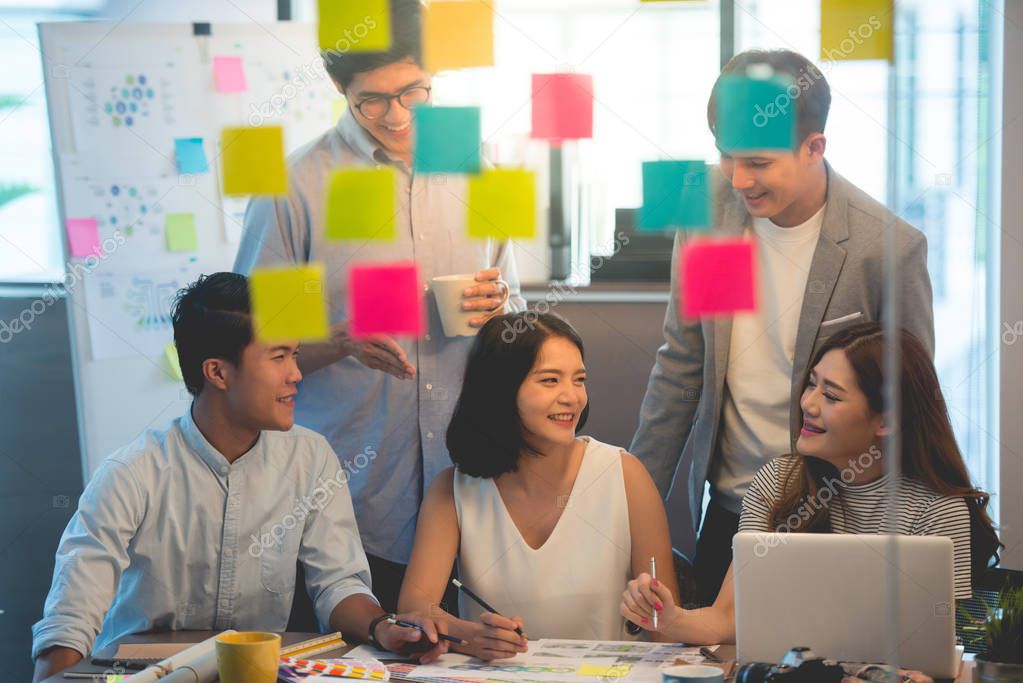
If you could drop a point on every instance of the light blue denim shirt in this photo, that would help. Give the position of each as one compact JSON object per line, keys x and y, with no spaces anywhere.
{"x":168,"y":535}
{"x":355,"y":407}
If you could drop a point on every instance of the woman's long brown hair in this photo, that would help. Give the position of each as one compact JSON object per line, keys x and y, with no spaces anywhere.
{"x":930,"y":454}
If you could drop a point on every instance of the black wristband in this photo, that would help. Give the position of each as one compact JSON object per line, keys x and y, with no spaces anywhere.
{"x":373,"y":627}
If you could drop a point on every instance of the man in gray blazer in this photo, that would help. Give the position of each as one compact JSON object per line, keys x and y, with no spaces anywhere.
{"x":723,"y":396}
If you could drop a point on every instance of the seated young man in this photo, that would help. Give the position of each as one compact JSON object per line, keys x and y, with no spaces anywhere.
{"x":200,"y":525}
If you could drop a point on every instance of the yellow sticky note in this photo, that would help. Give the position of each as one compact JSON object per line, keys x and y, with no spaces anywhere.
{"x":458,"y":34}
{"x":612,"y":671}
{"x":361,"y":204}
{"x":502,"y":204}
{"x":857,"y":30}
{"x":288,"y":303}
{"x":355,"y":25}
{"x":253,"y":161}
{"x":170,"y":354}
{"x":337,"y":107}
{"x":179,"y":232}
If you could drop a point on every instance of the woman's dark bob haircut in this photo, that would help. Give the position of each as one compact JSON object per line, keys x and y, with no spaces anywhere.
{"x":486,"y":436}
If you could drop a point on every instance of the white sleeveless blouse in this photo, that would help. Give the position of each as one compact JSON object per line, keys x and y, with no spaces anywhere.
{"x":572,"y":585}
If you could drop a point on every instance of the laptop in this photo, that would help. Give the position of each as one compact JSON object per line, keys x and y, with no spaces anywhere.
{"x":827,"y":592}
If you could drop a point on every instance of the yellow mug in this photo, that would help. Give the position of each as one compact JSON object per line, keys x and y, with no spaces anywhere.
{"x":248,"y":657}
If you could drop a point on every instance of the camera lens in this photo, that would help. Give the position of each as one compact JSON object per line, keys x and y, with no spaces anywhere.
{"x":754,"y":673}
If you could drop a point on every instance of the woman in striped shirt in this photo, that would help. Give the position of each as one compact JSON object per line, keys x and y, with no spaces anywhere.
{"x":835,"y":482}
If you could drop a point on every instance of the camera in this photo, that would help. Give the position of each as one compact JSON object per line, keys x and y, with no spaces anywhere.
{"x":799,"y":664}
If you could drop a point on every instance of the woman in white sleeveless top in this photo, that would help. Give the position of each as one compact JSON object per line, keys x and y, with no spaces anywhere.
{"x":547,"y":526}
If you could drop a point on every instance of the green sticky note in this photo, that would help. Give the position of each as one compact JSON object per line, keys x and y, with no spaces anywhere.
{"x":355,"y":25}
{"x":447,"y":139}
{"x":170,"y":354}
{"x":361,"y":204}
{"x":253,"y":161}
{"x":179,"y":230}
{"x":675,"y":196}
{"x":756,"y":114}
{"x":502,"y":204}
{"x":288,"y":303}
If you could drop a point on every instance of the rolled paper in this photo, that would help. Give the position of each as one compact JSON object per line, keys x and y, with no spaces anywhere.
{"x":197,"y":664}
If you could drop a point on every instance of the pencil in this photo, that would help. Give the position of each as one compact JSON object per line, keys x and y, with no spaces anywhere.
{"x":442,"y":636}
{"x":480,"y":601}
{"x":653,"y":577}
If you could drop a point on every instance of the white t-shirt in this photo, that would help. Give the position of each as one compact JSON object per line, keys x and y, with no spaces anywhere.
{"x":758,"y":381}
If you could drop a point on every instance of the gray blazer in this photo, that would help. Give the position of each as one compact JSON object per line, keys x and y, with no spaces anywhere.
{"x":681,"y":412}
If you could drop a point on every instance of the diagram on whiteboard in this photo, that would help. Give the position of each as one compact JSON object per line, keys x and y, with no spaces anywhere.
{"x":130,"y":313}
{"x":130,"y":101}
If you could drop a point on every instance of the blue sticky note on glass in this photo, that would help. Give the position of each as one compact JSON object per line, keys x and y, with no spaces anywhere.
{"x":755,"y":114}
{"x":447,"y":139}
{"x":676,"y":195}
{"x":191,"y":157}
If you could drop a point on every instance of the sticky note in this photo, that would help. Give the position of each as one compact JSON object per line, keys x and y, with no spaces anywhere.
{"x":857,"y":30}
{"x":755,"y":114}
{"x":170,"y":354}
{"x":82,"y":237}
{"x":562,"y":106}
{"x":612,"y":671}
{"x":361,"y":204}
{"x":355,"y":25}
{"x":675,"y":195}
{"x":179,"y":231}
{"x":447,"y":139}
{"x":502,"y":204}
{"x":288,"y":303}
{"x":253,"y":161}
{"x":190,"y":155}
{"x":229,"y":74}
{"x":458,"y":34}
{"x":718,"y":278}
{"x":385,"y":299}
{"x":338,"y":107}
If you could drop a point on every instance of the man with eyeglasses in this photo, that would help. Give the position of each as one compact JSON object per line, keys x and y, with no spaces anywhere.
{"x":392,"y":397}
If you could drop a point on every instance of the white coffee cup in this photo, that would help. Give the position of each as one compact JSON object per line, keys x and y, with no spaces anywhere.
{"x":693,"y":673}
{"x":447,"y":291}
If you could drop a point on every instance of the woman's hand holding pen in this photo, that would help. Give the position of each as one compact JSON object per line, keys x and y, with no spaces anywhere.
{"x":642,"y":597}
{"x":494,"y":637}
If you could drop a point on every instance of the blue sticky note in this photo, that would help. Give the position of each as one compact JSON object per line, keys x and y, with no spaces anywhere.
{"x":755,"y":114}
{"x":191,"y":157}
{"x":675,"y":195}
{"x":447,"y":139}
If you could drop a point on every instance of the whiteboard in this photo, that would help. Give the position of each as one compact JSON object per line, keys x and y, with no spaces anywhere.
{"x":118,"y":95}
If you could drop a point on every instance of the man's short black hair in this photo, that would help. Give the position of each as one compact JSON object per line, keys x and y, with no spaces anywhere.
{"x":811,"y":104}
{"x":486,"y":437}
{"x":212,"y":319}
{"x":342,"y":63}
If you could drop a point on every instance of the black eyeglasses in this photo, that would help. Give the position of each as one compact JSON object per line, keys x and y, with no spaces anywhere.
{"x":378,"y":105}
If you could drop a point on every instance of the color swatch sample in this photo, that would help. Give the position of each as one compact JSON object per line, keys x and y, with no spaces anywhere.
{"x":361,"y":204}
{"x":229,"y":74}
{"x":562,"y":106}
{"x":82,"y":237}
{"x":458,"y":34}
{"x":755,"y":114}
{"x":253,"y":161}
{"x":857,"y":30}
{"x":502,"y":204}
{"x":190,"y":155}
{"x":676,"y":195}
{"x":179,"y":230}
{"x":447,"y":139}
{"x":288,"y":303}
{"x":717,"y":278}
{"x":355,"y":25}
{"x":385,"y":299}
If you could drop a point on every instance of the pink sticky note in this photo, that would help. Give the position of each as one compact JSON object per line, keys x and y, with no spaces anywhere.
{"x":718,"y":278}
{"x":82,"y":237}
{"x":562,"y":106}
{"x":229,"y":74}
{"x":385,"y":299}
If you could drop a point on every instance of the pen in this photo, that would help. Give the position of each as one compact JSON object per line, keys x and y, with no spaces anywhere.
{"x":709,"y":655}
{"x":80,"y":675}
{"x":479,"y":601}
{"x":442,"y":636}
{"x":653,"y":577}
